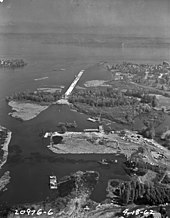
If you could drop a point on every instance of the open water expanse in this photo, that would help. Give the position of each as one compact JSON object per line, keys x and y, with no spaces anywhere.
{"x":30,"y":162}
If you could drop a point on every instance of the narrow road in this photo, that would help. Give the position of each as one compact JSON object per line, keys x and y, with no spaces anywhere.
{"x":149,"y":87}
{"x":162,"y":177}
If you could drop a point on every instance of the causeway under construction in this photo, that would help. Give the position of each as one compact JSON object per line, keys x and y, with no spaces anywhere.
{"x":70,"y":89}
{"x":73,"y":84}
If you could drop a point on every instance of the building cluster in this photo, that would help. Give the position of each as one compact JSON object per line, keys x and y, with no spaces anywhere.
{"x":157,"y":75}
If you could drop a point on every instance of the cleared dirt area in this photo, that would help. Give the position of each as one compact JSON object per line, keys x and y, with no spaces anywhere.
{"x":95,"y":83}
{"x":85,"y":143}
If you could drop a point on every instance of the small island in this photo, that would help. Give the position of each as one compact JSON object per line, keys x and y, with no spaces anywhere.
{"x":12,"y":63}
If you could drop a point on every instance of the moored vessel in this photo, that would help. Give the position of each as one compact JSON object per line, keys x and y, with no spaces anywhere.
{"x":53,"y":182}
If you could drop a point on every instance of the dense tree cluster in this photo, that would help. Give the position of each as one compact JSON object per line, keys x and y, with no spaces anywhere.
{"x":137,"y":93}
{"x":36,"y":96}
{"x":126,"y":102}
{"x":101,"y":98}
{"x":150,"y":99}
{"x":65,"y":126}
{"x":145,"y":165}
{"x":167,"y":142}
{"x":144,"y":95}
{"x":166,"y":180}
{"x":138,"y":168}
{"x":14,"y":63}
{"x":148,"y":193}
{"x":153,"y":121}
{"x":3,"y":135}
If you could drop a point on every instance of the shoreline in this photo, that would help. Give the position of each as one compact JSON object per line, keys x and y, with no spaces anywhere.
{"x":87,"y":110}
{"x":76,"y":202}
{"x":5,"y":148}
{"x":25,"y":110}
{"x":58,"y":150}
{"x":4,"y":181}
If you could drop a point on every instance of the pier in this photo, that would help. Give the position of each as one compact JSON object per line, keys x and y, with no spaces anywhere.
{"x":70,"y":89}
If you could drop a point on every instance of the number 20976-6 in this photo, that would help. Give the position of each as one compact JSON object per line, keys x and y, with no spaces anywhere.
{"x":30,"y":212}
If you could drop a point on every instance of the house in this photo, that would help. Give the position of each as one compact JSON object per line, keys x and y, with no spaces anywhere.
{"x":117,"y":75}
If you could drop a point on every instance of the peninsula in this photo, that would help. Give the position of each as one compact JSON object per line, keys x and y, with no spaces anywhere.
{"x":5,"y":138}
{"x":27,"y":105}
{"x":25,"y":110}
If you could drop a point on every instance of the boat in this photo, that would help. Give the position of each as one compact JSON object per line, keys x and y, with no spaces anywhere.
{"x":53,"y":182}
{"x":91,"y":119}
{"x":104,"y":162}
{"x":42,"y":78}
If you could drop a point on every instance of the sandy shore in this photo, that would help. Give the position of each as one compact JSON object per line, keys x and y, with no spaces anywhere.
{"x":4,"y":147}
{"x":49,"y":90}
{"x":25,"y":111}
{"x":95,"y":83}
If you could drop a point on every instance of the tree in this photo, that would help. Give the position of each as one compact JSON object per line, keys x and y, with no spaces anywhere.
{"x":154,"y":101}
{"x":63,"y":129}
{"x":126,"y":194}
{"x":154,"y":120}
{"x":132,"y":113}
{"x":149,"y":132}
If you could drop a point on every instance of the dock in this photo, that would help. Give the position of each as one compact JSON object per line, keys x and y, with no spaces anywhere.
{"x":54,"y":183}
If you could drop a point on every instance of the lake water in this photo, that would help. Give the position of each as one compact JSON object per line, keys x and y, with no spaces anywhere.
{"x":30,"y":162}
